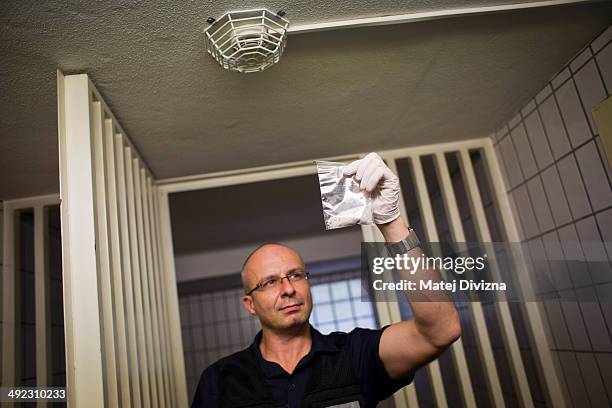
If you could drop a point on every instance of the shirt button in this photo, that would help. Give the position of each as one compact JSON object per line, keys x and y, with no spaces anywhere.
{"x":291,"y":387}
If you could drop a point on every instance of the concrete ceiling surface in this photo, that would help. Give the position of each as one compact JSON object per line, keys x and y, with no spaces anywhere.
{"x":333,"y":92}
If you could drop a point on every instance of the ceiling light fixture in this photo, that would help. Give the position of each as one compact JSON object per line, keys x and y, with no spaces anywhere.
{"x":247,"y":41}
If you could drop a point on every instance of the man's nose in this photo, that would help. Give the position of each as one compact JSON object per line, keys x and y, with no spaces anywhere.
{"x":287,"y":287}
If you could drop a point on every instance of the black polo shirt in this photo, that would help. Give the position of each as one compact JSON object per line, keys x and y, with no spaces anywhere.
{"x":288,"y":389}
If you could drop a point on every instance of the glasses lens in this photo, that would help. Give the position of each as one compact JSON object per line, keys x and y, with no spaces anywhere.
{"x":269,"y":283}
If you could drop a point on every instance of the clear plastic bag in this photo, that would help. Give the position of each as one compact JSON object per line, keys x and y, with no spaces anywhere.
{"x":343,"y":203}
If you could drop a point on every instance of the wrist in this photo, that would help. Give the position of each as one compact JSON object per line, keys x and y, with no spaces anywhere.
{"x":394,"y":231}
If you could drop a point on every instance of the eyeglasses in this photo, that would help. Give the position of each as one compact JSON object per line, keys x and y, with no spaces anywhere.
{"x":275,"y":281}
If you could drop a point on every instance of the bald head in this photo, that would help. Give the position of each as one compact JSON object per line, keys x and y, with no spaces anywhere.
{"x":265,"y":254}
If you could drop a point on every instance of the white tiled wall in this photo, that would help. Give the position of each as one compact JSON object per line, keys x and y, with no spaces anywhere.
{"x":559,"y":185}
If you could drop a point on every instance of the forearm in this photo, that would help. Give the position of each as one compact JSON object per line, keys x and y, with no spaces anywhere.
{"x":434,"y":314}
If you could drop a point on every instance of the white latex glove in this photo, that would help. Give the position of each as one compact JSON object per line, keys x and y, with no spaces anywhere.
{"x":379,"y":181}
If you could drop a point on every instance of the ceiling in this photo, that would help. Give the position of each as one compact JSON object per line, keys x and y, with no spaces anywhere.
{"x":333,"y":93}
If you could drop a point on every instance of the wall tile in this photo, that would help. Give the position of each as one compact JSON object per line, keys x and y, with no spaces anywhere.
{"x":604,"y":61}
{"x":556,"y":196}
{"x":595,"y":179}
{"x":604,"y":222}
{"x":560,"y":78}
{"x":539,"y":270}
{"x":594,"y":250}
{"x":574,"y":189}
{"x":540,"y":204}
{"x":572,"y":113}
{"x":559,"y":334}
{"x":551,"y":119}
{"x":574,"y":381}
{"x":502,"y":165}
{"x":591,"y":90}
{"x":543,"y":94}
{"x":501,"y":132}
{"x":592,"y":380}
{"x":606,"y":160}
{"x":514,"y":121}
{"x":554,"y":253}
{"x":580,"y":59}
{"x":575,"y":326}
{"x":525,"y":210}
{"x":529,"y":107}
{"x":579,"y":272}
{"x":604,"y":361}
{"x":511,"y":160}
{"x":517,"y":218}
{"x":523,"y":149}
{"x":537,"y":138}
{"x":602,"y":39}
{"x":595,"y":324}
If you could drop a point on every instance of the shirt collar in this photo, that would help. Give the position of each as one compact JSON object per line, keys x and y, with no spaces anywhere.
{"x":320,"y":344}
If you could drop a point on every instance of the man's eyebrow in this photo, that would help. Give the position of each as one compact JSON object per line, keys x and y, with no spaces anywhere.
{"x":270,"y":276}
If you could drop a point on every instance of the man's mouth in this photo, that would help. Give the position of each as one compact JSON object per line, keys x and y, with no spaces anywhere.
{"x":291,"y":307}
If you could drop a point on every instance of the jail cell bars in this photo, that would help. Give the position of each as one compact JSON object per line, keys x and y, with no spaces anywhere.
{"x":12,"y":286}
{"x":121,"y":336}
{"x":485,"y":362}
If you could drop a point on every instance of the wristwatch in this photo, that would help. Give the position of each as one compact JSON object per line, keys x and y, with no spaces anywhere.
{"x":405,"y":245}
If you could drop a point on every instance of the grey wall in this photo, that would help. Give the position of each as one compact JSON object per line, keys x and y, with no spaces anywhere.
{"x":558,"y":182}
{"x":226,"y":261}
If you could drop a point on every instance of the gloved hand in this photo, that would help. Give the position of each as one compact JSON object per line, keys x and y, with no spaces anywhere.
{"x":379,"y":181}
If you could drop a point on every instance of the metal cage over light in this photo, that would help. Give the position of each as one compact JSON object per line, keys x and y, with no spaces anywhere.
{"x":247,"y":41}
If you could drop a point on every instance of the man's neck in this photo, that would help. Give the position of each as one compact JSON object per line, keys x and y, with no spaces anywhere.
{"x":286,"y":348}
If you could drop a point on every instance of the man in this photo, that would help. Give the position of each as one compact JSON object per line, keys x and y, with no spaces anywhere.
{"x":290,"y":364}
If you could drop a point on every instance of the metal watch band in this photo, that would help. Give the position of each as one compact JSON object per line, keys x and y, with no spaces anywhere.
{"x":405,"y":245}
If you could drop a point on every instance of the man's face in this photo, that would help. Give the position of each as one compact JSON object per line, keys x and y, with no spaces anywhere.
{"x":286,"y":305}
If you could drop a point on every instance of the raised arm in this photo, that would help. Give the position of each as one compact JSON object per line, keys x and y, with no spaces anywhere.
{"x":410,"y":344}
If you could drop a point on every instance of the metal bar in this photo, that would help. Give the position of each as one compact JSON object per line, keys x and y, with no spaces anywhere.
{"x":164,"y":297}
{"x":84,"y":372}
{"x":136,"y":279}
{"x":150,"y":283}
{"x":31,"y":202}
{"x":172,"y":303}
{"x":126,"y":255}
{"x":42,"y":302}
{"x":116,"y":123}
{"x":482,"y":335}
{"x":503,"y":311}
{"x":103,"y":258}
{"x":385,"y":318}
{"x":433,"y":368}
{"x":159,"y":321}
{"x":552,"y":385}
{"x":114,"y":237}
{"x":10,"y":286}
{"x":457,"y":350}
{"x":144,"y":279}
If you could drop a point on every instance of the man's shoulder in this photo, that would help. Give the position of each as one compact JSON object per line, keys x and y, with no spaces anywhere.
{"x":357,"y":332}
{"x":228,"y":363}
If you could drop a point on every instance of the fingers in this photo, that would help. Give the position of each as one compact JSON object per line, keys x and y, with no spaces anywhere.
{"x":351,"y":168}
{"x":370,"y":182}
{"x":369,"y":171}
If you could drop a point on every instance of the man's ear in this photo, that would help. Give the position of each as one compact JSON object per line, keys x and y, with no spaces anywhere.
{"x":247,"y":301}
